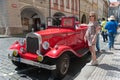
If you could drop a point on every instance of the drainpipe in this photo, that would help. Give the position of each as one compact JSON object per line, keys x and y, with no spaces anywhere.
{"x":92,"y":5}
{"x":49,"y":8}
{"x":79,"y":10}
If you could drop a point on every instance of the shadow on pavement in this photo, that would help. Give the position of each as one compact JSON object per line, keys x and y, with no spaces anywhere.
{"x":42,"y":74}
{"x":108,"y":67}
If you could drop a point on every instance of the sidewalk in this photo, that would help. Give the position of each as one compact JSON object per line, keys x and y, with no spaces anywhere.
{"x":3,"y":36}
{"x":108,"y":68}
{"x":17,"y":35}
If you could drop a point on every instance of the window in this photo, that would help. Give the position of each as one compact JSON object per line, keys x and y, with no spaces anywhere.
{"x":55,"y":2}
{"x":72,"y":3}
{"x":67,"y":4}
{"x":61,"y":2}
{"x":76,"y":4}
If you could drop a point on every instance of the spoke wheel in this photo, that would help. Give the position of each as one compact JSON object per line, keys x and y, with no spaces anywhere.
{"x":62,"y":66}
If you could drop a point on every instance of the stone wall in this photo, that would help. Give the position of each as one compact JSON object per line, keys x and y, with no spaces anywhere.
{"x":2,"y":30}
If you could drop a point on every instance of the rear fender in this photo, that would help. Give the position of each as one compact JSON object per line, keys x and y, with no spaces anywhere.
{"x":59,"y":50}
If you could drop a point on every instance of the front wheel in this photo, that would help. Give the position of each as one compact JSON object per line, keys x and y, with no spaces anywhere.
{"x":18,"y":64}
{"x":62,"y":65}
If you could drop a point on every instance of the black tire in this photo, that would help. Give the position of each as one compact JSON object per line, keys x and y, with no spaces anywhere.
{"x":62,"y":65}
{"x":18,"y":64}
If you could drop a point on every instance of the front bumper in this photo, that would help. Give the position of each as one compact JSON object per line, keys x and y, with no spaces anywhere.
{"x":33,"y":63}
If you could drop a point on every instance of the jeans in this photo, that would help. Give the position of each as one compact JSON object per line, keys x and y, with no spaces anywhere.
{"x":104,"y":35}
{"x":111,"y":37}
{"x":97,"y":43}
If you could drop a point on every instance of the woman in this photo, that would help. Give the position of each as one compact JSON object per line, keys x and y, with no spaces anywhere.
{"x":91,"y":36}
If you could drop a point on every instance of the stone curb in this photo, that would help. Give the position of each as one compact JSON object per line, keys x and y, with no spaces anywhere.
{"x":4,"y":36}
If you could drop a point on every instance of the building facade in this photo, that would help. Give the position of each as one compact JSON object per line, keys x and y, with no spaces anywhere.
{"x":114,"y":9}
{"x":18,"y":16}
{"x":99,"y":6}
{"x":100,"y":9}
{"x":105,"y":8}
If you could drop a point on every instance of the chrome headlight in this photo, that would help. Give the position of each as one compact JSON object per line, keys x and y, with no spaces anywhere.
{"x":15,"y":53}
{"x":21,"y":41}
{"x":22,"y":49}
{"x":40,"y":57}
{"x":45,"y":45}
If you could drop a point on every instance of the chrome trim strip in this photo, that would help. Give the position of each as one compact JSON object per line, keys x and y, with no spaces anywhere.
{"x":33,"y":63}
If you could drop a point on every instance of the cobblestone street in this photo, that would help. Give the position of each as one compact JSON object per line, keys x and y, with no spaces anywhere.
{"x":7,"y":69}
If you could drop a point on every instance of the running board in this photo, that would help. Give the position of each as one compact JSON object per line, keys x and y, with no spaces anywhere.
{"x":83,"y":51}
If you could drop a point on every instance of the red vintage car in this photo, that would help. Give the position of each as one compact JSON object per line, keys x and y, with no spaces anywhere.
{"x":52,"y":48}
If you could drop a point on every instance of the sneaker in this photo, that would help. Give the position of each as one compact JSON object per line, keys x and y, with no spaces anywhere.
{"x":93,"y":63}
{"x":110,"y":51}
{"x":112,"y":48}
{"x":99,"y":51}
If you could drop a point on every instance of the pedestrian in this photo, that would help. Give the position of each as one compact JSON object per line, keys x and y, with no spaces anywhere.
{"x":91,"y":36}
{"x":111,"y":26}
{"x":97,"y":40}
{"x":38,"y":25}
{"x":98,"y":44}
{"x":104,"y":31}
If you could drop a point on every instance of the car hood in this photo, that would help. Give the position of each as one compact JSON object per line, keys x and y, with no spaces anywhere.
{"x":54,"y":31}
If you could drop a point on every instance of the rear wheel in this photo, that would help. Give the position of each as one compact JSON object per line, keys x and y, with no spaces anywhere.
{"x":62,"y":65}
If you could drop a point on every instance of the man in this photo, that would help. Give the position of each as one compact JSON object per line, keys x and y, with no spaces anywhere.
{"x":104,"y":31}
{"x":111,"y":26}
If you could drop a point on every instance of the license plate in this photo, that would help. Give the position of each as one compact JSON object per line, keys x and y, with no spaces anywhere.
{"x":16,"y":59}
{"x":19,"y":59}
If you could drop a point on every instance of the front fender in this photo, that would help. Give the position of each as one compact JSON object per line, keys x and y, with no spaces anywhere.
{"x":57,"y":51}
{"x":15,"y":46}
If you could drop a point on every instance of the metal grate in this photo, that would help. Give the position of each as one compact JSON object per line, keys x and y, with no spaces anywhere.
{"x":32,"y":44}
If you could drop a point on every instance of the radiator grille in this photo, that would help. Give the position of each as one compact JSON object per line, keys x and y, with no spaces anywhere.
{"x":32,"y":44}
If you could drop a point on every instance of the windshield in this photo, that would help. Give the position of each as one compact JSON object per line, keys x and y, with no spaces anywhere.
{"x":64,"y":22}
{"x":53,"y":22}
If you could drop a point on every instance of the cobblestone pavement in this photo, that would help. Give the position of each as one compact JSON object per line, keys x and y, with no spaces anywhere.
{"x":7,"y":69}
{"x":108,"y":68}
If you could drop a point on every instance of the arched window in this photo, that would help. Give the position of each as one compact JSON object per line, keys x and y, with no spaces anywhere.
{"x":83,"y":19}
{"x":57,"y":17}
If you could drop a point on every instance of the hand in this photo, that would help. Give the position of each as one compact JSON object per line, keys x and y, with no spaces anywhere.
{"x":85,"y":39}
{"x":98,"y":30}
{"x":93,"y":41}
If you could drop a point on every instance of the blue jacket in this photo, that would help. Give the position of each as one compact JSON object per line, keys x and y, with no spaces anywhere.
{"x":111,"y":26}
